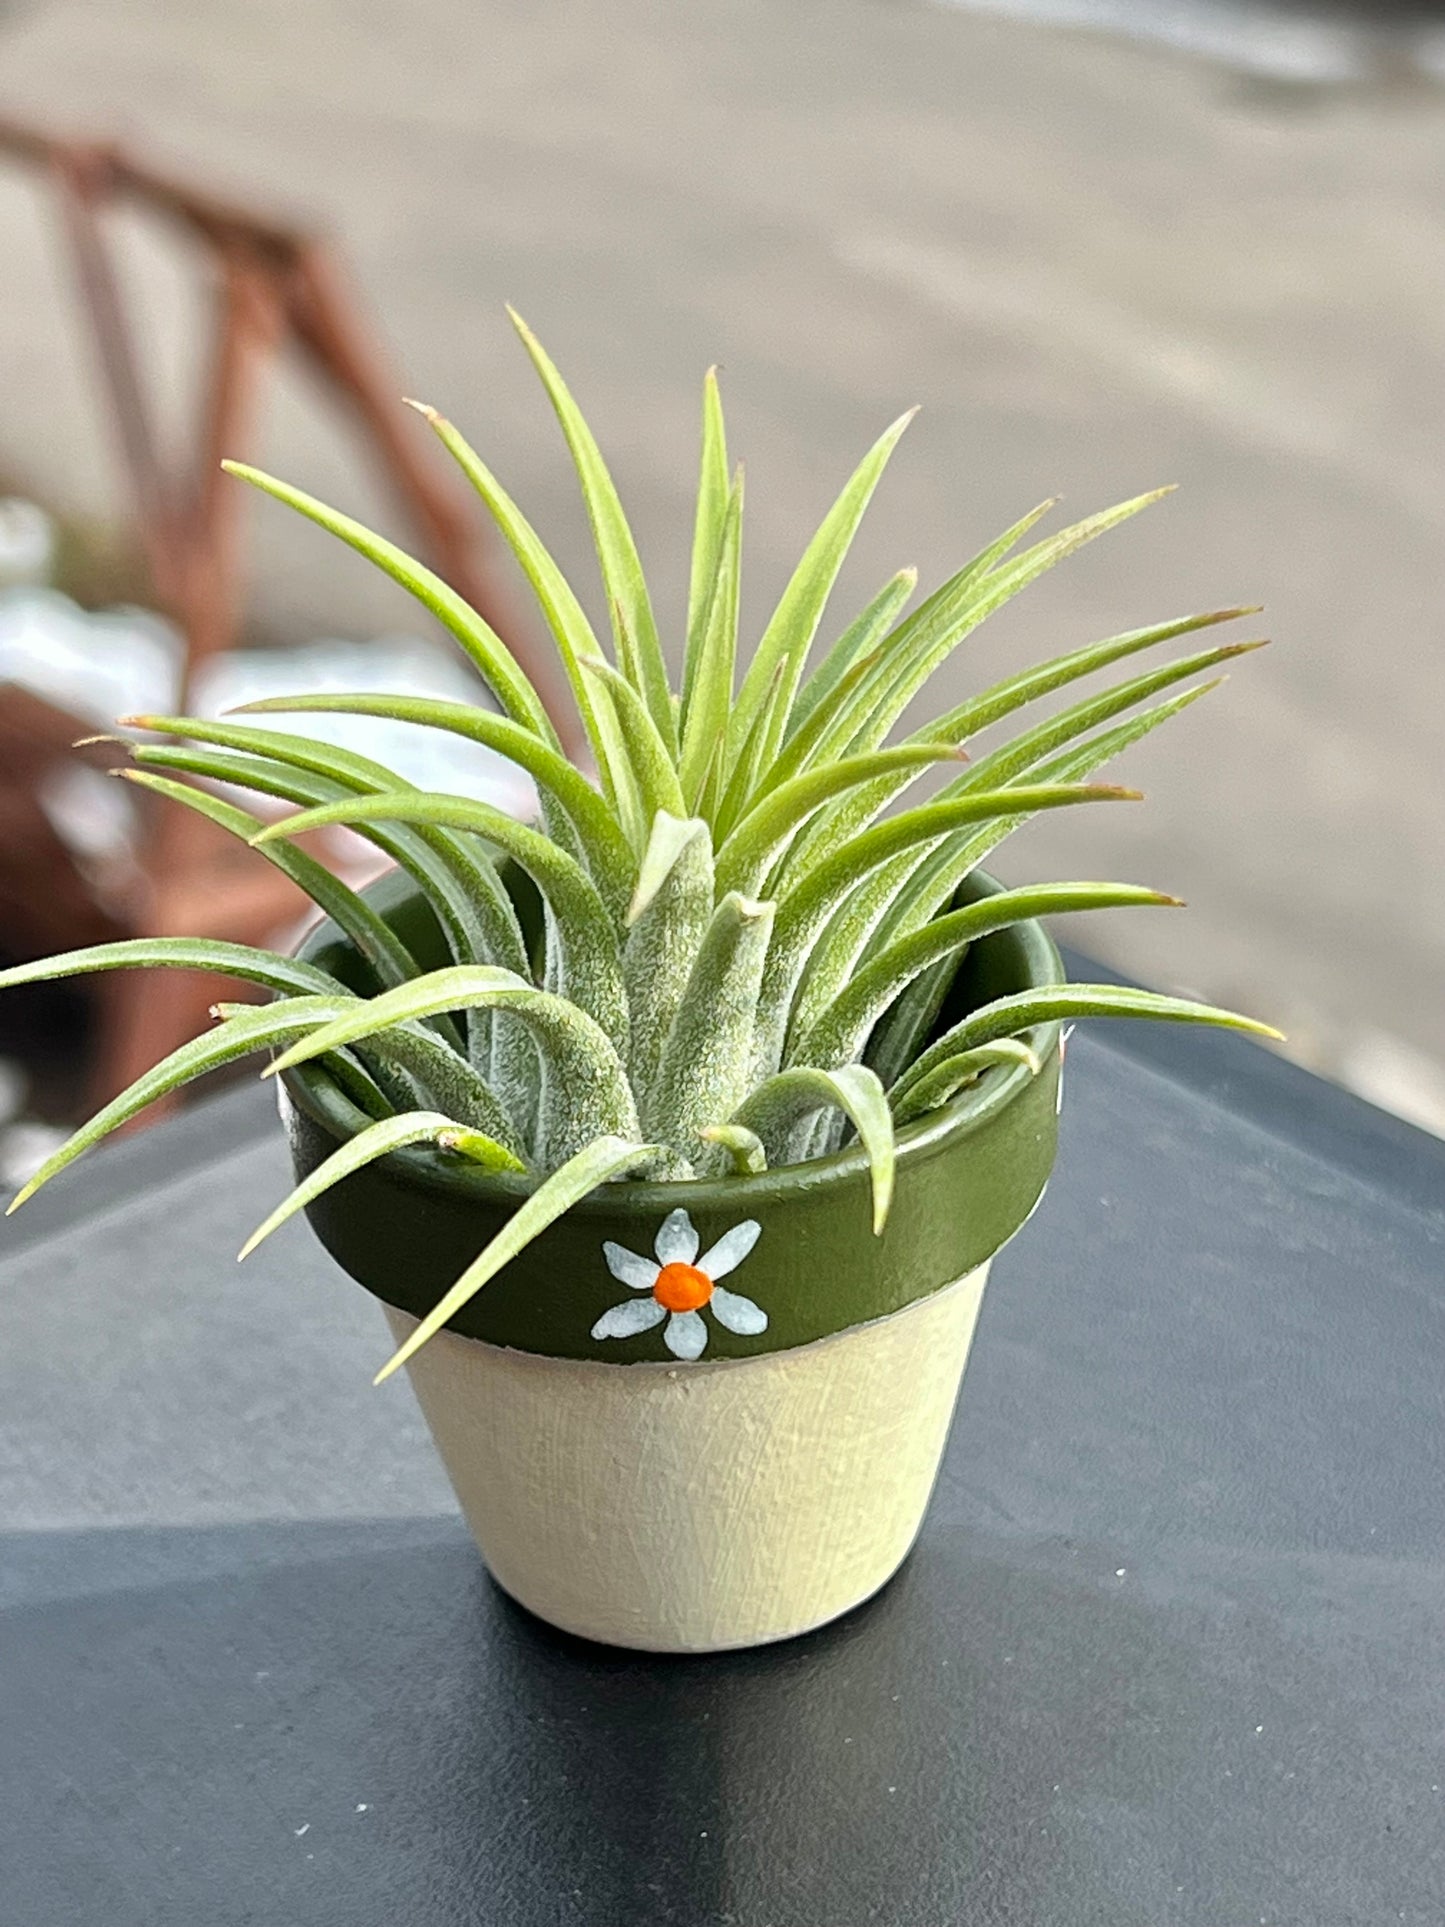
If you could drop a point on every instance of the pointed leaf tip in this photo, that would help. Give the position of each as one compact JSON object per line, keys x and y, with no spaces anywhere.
{"x":377,"y":1141}
{"x":751,"y":908}
{"x":670,"y":837}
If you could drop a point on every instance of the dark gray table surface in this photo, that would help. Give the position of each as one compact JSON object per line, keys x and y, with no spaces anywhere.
{"x":1170,"y":1652}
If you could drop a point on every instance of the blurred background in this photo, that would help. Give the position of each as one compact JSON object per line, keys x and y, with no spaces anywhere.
{"x":1105,"y":243}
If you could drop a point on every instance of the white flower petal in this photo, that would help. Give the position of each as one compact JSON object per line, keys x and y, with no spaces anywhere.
{"x":628,"y":1268}
{"x":626,"y":1320}
{"x":731,"y":1248}
{"x":677,"y":1242}
{"x":738,"y":1314}
{"x":686,"y":1335}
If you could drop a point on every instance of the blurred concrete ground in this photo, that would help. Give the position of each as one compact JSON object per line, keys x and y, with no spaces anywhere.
{"x":1099,"y":266}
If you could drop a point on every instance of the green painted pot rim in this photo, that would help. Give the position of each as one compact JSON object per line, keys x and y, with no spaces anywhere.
{"x":314,"y":1093}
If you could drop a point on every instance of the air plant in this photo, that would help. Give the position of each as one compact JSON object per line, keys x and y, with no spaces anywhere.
{"x":746,"y":950}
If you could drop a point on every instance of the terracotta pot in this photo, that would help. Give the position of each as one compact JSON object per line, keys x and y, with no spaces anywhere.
{"x":779,"y":1477}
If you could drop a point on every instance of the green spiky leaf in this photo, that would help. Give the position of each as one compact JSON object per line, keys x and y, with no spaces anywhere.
{"x":777,"y":1108}
{"x":713,"y":496}
{"x":850,"y":655}
{"x":703,"y":1071}
{"x":639,"y":650}
{"x":288,"y":975}
{"x":591,"y":966}
{"x":668,"y":843}
{"x":586,"y":1093}
{"x":252,"y":1028}
{"x":789,"y":634}
{"x":605,"y":1158}
{"x":957,"y":1073}
{"x":606,"y":850}
{"x":460,"y":879}
{"x":387,"y":1135}
{"x":707,"y":695}
{"x":576,"y":643}
{"x":1013,"y":1016}
{"x":858,"y":873}
{"x":434,"y":1069}
{"x":673,"y":906}
{"x":745,"y":1148}
{"x":764,"y":832}
{"x":839,"y":1034}
{"x":490,"y":656}
{"x":653,"y":773}
{"x":373,"y":937}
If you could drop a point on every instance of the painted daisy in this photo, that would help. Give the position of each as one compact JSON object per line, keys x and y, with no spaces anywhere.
{"x":678,"y":1284}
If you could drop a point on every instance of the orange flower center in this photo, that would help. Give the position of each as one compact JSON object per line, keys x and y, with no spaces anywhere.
{"x":682,"y":1287}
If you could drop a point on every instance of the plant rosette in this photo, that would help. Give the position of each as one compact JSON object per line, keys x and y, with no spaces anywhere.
{"x":676,"y":1131}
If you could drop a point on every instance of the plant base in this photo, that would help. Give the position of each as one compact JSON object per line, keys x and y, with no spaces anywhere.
{"x":691,"y":1508}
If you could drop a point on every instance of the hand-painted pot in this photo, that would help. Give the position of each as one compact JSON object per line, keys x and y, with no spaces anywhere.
{"x":778,"y":1477}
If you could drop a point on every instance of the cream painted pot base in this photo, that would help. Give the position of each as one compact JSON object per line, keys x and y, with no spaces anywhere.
{"x":688,"y":1508}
